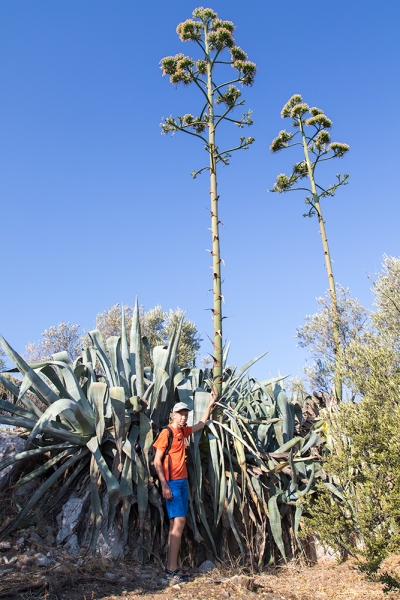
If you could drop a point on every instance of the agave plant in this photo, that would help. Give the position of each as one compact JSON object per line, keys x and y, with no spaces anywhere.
{"x":94,"y":420}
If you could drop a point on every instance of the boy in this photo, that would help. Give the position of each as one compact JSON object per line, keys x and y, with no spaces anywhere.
{"x":173,"y":476}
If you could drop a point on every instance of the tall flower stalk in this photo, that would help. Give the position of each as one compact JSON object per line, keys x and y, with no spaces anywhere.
{"x":312,"y":135}
{"x":213,"y":36}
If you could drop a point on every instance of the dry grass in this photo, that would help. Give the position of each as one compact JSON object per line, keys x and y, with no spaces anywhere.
{"x":326,"y":580}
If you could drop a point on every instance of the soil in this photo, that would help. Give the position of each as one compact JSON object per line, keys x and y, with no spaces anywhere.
{"x":101,"y":579}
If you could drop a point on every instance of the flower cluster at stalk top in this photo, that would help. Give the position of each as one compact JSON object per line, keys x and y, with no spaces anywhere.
{"x":319,"y":142}
{"x":213,"y":35}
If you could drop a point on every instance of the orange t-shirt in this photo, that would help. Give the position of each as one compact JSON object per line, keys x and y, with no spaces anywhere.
{"x":176,"y":455}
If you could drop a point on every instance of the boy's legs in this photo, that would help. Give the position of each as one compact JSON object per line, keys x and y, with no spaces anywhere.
{"x":176,"y":527}
{"x":177,"y":509}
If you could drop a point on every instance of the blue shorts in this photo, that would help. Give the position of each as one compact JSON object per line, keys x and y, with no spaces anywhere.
{"x":178,"y":506}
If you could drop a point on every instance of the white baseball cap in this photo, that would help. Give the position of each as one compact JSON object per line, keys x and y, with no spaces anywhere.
{"x":180,"y":406}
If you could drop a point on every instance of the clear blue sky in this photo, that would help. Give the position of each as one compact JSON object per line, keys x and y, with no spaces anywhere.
{"x":97,"y":206}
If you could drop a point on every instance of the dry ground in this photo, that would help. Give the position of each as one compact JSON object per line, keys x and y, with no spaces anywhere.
{"x":94,"y":580}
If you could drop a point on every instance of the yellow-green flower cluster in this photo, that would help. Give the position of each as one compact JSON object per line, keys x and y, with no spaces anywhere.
{"x":322,"y":139}
{"x":319,"y":120}
{"x":316,"y":111}
{"x":179,"y":68}
{"x":220,"y":39}
{"x":201,"y":67}
{"x":237,"y":53}
{"x":189,"y":30}
{"x":230,"y":96}
{"x":282,"y":184}
{"x":281,"y":141}
{"x":299,"y":110}
{"x":248,"y":70}
{"x":218,"y":24}
{"x":339,"y":149}
{"x":205,"y":14}
{"x":286,"y":110}
{"x":300,"y":170}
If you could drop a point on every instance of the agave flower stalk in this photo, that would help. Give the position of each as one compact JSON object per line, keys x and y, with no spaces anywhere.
{"x":213,"y":36}
{"x":317,"y":147}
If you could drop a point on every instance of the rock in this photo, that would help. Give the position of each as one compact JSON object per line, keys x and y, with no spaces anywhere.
{"x":13,"y":560}
{"x":20,"y":541}
{"x":246,"y":583}
{"x":5,"y":546}
{"x":68,"y":518}
{"x":164,"y":581}
{"x":72,"y":545}
{"x":35,"y":538}
{"x":145,"y":576}
{"x":176,"y":586}
{"x":8,"y":445}
{"x":42,"y":560}
{"x":110,"y":576}
{"x":206,"y":566}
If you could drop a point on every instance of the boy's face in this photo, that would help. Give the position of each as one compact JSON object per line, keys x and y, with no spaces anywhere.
{"x":179,"y":419}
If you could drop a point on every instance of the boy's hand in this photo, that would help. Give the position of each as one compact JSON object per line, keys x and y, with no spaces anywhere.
{"x":214,"y":397}
{"x":166,"y":491}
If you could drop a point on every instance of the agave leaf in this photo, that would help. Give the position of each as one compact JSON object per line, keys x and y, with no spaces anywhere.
{"x":245,"y":444}
{"x":98,"y":391}
{"x":16,"y":410}
{"x":222,"y":485}
{"x":69,"y":481}
{"x":13,"y":458}
{"x":58,"y":434}
{"x":37,"y":382}
{"x":125,"y":485}
{"x":136,"y":353}
{"x":214,"y":471}
{"x":112,"y":344}
{"x":96,"y":512}
{"x":275,"y":524}
{"x":39,"y":493}
{"x":197,"y":536}
{"x":236,"y":376}
{"x":297,"y":517}
{"x":296,"y":441}
{"x":55,"y":409}
{"x":146,"y":344}
{"x":74,"y":389}
{"x":31,"y":406}
{"x":111,"y":482}
{"x":185,"y":394}
{"x":161,"y":378}
{"x":146,"y":437}
{"x":240,"y":453}
{"x":117,"y":395}
{"x":46,"y":466}
{"x":230,"y":507}
{"x":97,"y":341}
{"x":310,"y":481}
{"x":313,"y":440}
{"x":225,"y":355}
{"x":285,"y":412}
{"x":126,"y":365}
{"x":9,"y":385}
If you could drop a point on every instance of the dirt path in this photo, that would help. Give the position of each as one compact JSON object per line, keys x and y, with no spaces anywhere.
{"x":104,"y":580}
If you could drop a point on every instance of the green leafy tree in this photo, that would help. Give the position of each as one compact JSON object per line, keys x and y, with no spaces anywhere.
{"x":313,"y":136}
{"x":361,"y":514}
{"x":157,"y":326}
{"x":317,"y":335}
{"x":57,"y":338}
{"x":219,"y":99}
